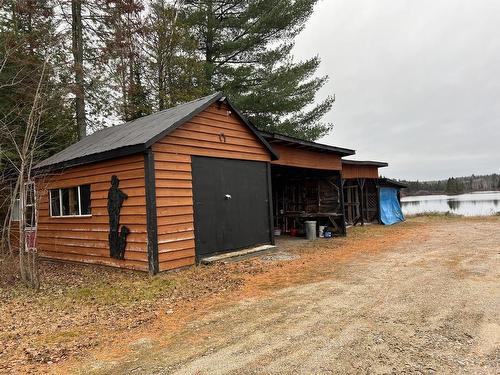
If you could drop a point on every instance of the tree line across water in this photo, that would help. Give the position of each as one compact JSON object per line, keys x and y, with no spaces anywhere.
{"x":453,"y":185}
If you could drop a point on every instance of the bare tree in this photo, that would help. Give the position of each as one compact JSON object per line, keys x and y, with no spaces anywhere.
{"x":28,"y":256}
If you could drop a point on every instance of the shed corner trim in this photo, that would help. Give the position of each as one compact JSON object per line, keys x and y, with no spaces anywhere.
{"x":151,"y":213}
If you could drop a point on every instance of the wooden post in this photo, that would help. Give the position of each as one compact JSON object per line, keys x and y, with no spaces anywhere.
{"x":362,"y":190}
{"x":344,"y":230}
{"x":270,"y":203}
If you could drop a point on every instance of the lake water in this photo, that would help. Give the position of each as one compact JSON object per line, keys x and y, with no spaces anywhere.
{"x":482,"y":203}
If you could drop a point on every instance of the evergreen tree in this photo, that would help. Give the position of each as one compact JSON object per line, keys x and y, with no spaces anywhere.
{"x":454,"y":186}
{"x":28,"y":39}
{"x":121,"y":31}
{"x":246,"y":47}
{"x":138,"y":104}
{"x":174,"y":68}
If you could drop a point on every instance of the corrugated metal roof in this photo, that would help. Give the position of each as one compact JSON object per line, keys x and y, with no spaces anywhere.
{"x":128,"y":138}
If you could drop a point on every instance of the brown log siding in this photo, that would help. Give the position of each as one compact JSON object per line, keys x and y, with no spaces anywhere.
{"x":174,"y":198}
{"x":296,"y":157}
{"x":85,"y":239}
{"x":359,"y":171}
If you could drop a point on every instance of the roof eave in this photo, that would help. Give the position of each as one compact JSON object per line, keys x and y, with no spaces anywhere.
{"x":391,"y":182}
{"x":371,"y":163}
{"x":314,"y":145}
{"x":88,"y":159}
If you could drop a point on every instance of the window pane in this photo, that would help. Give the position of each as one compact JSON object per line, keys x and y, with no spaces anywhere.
{"x":15,"y":210}
{"x":70,"y":201}
{"x":54,"y":201}
{"x":30,"y":193}
{"x":30,"y":217}
{"x":85,"y":199}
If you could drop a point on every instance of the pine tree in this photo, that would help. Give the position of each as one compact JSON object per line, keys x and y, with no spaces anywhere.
{"x":173,"y":65}
{"x":246,"y":46}
{"x":122,"y":29}
{"x":138,"y":104}
{"x":78,"y":66}
{"x":28,"y":39}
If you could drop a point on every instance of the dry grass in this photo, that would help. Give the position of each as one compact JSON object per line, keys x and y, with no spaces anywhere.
{"x":83,"y":307}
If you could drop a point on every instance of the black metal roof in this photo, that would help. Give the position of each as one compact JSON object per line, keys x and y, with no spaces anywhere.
{"x":276,"y":138}
{"x":136,"y":136}
{"x":391,"y":183}
{"x":371,"y":163}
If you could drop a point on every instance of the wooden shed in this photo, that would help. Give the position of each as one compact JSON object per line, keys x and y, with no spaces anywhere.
{"x":158,"y":192}
{"x":360,"y":186}
{"x":306,"y":183}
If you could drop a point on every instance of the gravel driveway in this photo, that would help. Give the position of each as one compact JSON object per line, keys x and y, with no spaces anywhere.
{"x":423,"y":307}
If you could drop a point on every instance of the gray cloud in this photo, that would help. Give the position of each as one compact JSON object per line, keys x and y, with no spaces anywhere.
{"x":417,"y":82}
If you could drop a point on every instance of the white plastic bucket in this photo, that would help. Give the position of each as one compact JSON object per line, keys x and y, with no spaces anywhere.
{"x":321,"y":230}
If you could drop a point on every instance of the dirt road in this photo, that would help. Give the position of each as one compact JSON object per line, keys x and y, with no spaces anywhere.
{"x":429,"y":304}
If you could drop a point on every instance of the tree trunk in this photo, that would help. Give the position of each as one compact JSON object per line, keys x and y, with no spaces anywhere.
{"x":77,"y":38}
{"x":22,"y":225}
{"x":209,"y":45}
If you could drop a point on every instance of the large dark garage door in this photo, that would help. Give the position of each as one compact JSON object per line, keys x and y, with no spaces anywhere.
{"x":230,"y":204}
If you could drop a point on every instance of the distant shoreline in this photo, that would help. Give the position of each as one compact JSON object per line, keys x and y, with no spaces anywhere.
{"x":422,"y":193}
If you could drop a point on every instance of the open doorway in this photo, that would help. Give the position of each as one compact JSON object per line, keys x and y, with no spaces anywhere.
{"x":305,"y":194}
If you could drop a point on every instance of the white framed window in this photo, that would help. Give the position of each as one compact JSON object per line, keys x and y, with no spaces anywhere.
{"x":73,"y":201}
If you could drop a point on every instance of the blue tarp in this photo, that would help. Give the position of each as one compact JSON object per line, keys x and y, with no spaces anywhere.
{"x":390,"y":210}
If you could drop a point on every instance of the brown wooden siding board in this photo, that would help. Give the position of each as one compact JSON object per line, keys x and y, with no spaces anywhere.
{"x":295,"y":157}
{"x":175,"y":228}
{"x":85,"y":243}
{"x":177,"y":263}
{"x":173,"y":255}
{"x":92,"y":179}
{"x":359,"y":171}
{"x":173,"y":192}
{"x":215,"y":153}
{"x":107,"y":261}
{"x":85,"y":227}
{"x":172,"y":157}
{"x":175,"y":219}
{"x":169,"y":183}
{"x":173,"y":166}
{"x":215,"y":138}
{"x":177,"y":141}
{"x":59,"y":238}
{"x":88,"y":235}
{"x":96,"y":252}
{"x":227,"y":130}
{"x":112,"y":169}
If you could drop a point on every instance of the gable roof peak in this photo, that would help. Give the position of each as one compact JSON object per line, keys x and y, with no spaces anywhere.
{"x":135,"y":136}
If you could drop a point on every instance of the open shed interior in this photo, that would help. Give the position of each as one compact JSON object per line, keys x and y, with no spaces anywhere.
{"x":361,"y":201}
{"x":301,"y":194}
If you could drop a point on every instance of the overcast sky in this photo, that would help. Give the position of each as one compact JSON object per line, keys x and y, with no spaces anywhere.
{"x":417,"y":83}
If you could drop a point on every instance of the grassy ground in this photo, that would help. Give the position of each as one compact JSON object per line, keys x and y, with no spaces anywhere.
{"x":81,"y":309}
